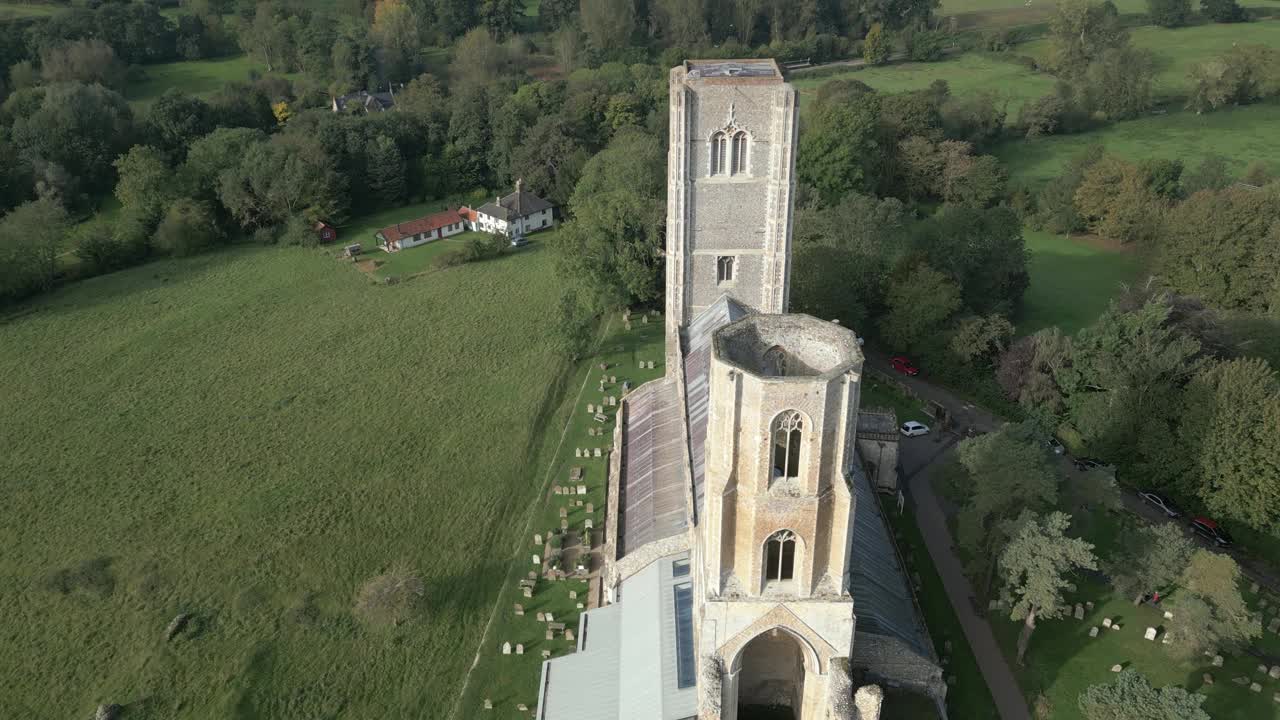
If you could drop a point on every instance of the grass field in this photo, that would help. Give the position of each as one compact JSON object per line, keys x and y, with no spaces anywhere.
{"x":196,"y":77}
{"x":965,"y":74}
{"x":1178,"y":50}
{"x":1239,"y":134}
{"x":17,"y":9}
{"x":1006,"y":13}
{"x":1063,"y":660}
{"x":248,"y":436}
{"x":1071,"y":282}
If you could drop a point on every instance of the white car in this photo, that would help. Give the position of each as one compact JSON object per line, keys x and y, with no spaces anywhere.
{"x":911,"y":428}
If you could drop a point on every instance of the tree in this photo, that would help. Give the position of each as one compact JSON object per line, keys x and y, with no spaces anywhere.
{"x":612,"y":248}
{"x":976,"y":337}
{"x":1035,"y":565}
{"x":175,"y":119}
{"x":1244,"y":74}
{"x":1131,"y":697}
{"x":1079,"y":31}
{"x":841,"y":150}
{"x":608,"y":23}
{"x":549,"y":161}
{"x":919,"y":302}
{"x":1055,"y":204}
{"x":1115,"y":200}
{"x":875,"y":46}
{"x":212,"y":155}
{"x":1212,"y":173}
{"x":1118,"y":82}
{"x":1215,"y":246}
{"x":187,"y":228}
{"x":86,"y":61}
{"x":31,"y":237}
{"x":386,"y":171}
{"x":478,"y":60}
{"x":983,"y":252}
{"x":1222,"y":11}
{"x":1169,"y":13}
{"x":81,"y":128}
{"x":1009,"y":471}
{"x":1152,"y":560}
{"x":395,"y":30}
{"x":501,"y":16}
{"x":1209,"y":612}
{"x":146,"y":180}
{"x":555,"y":14}
{"x":683,"y":23}
{"x":276,"y":180}
{"x":1232,"y":408}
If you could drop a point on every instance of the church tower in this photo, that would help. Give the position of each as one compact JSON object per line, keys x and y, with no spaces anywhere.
{"x":730,"y":183}
{"x":777,"y":615}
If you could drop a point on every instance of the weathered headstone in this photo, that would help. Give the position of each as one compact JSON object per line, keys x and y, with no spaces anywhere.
{"x":613,"y":378}
{"x":551,"y":634}
{"x":537,"y":538}
{"x":1115,"y":626}
{"x":550,"y":618}
{"x":1168,"y":615}
{"x":537,"y":560}
{"x":1150,"y":634}
{"x":1217,"y":661}
{"x":591,"y":407}
{"x":588,"y":524}
{"x":577,"y":452}
{"x":1262,"y":669}
{"x":488,"y":704}
{"x":564,"y":512}
{"x":568,"y":634}
{"x":1254,"y":588}
{"x":506,"y":648}
{"x":582,"y":489}
{"x":1106,"y":622}
{"x":528,"y":592}
{"x":591,"y":507}
{"x":546,"y":654}
{"x":1093,"y":631}
{"x":1275,"y":672}
{"x":1088,"y":605}
{"x":176,"y":625}
{"x":1255,"y":687}
{"x":1274,"y":625}
{"x":519,"y":609}
{"x":1079,"y":611}
{"x":575,"y":473}
{"x":1275,"y":697}
{"x":1207,"y":678}
{"x":564,"y":523}
{"x":542,"y":617}
{"x":1241,"y":681}
{"x":519,"y":649}
{"x":522,"y":707}
{"x":596,"y":453}
{"x":573,"y":594}
{"x":580,"y":606}
{"x":1116,"y":668}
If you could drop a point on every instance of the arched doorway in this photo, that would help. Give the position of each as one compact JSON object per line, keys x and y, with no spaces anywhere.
{"x":771,"y":679}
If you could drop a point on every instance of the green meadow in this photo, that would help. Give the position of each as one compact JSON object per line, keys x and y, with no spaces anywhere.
{"x":195,"y":77}
{"x":1072,"y":281}
{"x":248,"y":437}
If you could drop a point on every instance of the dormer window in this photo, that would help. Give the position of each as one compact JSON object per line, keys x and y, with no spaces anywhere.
{"x":719,"y":149}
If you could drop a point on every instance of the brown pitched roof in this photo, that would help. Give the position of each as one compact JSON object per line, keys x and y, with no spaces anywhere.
{"x":399,"y":231}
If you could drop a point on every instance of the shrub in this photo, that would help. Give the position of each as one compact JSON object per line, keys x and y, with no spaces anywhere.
{"x":875,"y":46}
{"x":1043,"y":116}
{"x":390,"y":598}
{"x":450,"y":259}
{"x":188,"y":227}
{"x":1222,"y":11}
{"x":1169,"y":13}
{"x":925,"y":45}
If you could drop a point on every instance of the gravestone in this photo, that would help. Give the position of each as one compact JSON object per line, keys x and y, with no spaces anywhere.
{"x":573,"y":594}
{"x":1241,"y":681}
{"x":1150,"y":634}
{"x":1262,"y":603}
{"x":568,"y":635}
{"x":564,"y":523}
{"x":1274,"y":625}
{"x":549,"y":617}
{"x":575,"y":473}
{"x":176,"y":625}
{"x":537,"y":538}
{"x":577,"y":503}
{"x":546,"y":654}
{"x":1088,"y":605}
{"x":1262,"y":669}
{"x":579,"y":606}
{"x":519,"y":649}
{"x":551,"y":635}
{"x":600,"y":418}
{"x":582,"y":489}
{"x":1217,"y":661}
{"x":1106,"y":622}
{"x":1168,"y":615}
{"x":107,"y":711}
{"x":1207,"y":678}
{"x":1093,"y":631}
{"x":533,"y":576}
{"x":1275,"y":672}
{"x":1116,"y":668}
{"x":1079,"y":611}
{"x":537,"y":560}
{"x":564,"y":512}
{"x":613,"y":378}
{"x":528,"y":591}
{"x":542,"y":617}
{"x":519,"y":610}
{"x":644,"y":319}
{"x":1255,"y":687}
{"x":588,"y":524}
{"x":591,"y":407}
{"x":596,"y":453}
{"x":1254,"y":588}
{"x":522,"y":707}
{"x":577,"y":452}
{"x":1115,"y":626}
{"x":506,"y":648}
{"x":488,"y":704}
{"x":591,"y":507}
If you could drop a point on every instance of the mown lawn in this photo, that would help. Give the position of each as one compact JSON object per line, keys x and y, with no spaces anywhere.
{"x":195,"y":77}
{"x":1072,"y":281}
{"x":1241,"y":135}
{"x":511,"y":680}
{"x":248,"y":437}
{"x":1063,"y":660}
{"x":965,"y":74}
{"x":1177,"y":50}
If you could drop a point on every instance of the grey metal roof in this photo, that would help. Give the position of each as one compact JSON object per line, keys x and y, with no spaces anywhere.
{"x":697,"y":367}
{"x":881,"y":598}
{"x":652,"y":491}
{"x":626,"y":666}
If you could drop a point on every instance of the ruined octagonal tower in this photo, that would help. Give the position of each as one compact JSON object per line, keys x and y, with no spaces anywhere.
{"x":731,"y":170}
{"x":775,"y":606}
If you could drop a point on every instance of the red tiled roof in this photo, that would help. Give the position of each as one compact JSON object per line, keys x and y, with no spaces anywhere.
{"x":469,"y":214}
{"x":426,"y":224}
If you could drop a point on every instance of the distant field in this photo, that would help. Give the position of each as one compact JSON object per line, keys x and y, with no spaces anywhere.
{"x":1071,"y":282}
{"x":965,"y":74}
{"x":197,"y":77}
{"x":1178,"y":50}
{"x":16,"y":9}
{"x":249,"y":436}
{"x":1004,"y":13}
{"x":1240,"y":134}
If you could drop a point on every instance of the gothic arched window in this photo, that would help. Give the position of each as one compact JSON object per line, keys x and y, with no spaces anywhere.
{"x":780,"y":556}
{"x":788,"y":431}
{"x":718,"y":151}
{"x":739,"y":164}
{"x":775,"y":361}
{"x":724,"y":269}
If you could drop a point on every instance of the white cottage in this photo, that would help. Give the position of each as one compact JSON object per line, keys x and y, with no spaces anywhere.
{"x":515,"y":215}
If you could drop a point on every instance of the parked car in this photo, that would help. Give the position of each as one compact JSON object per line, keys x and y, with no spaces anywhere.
{"x":1055,"y":445}
{"x":1160,"y":502}
{"x":1211,"y":531}
{"x":911,"y":428}
{"x":1087,"y":463}
{"x":519,"y":241}
{"x":904,"y":366}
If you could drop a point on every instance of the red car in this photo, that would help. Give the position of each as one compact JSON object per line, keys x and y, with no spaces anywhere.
{"x":904,"y":366}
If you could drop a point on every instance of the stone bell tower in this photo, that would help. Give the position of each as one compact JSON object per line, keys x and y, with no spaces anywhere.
{"x":731,"y":168}
{"x":777,"y":614}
